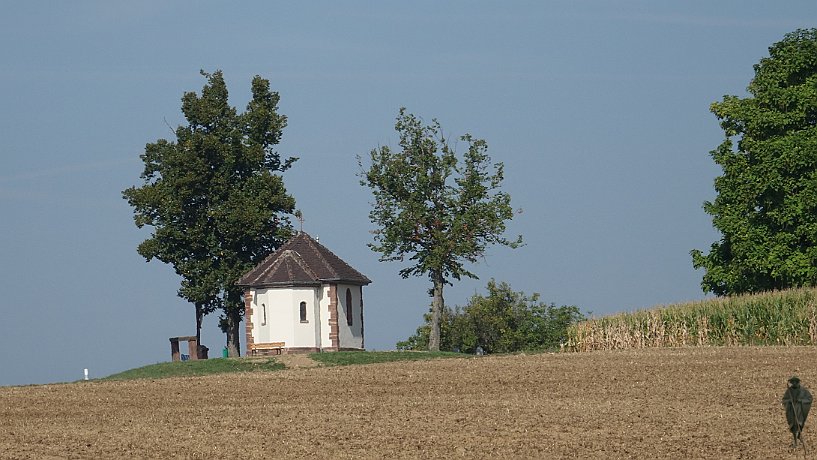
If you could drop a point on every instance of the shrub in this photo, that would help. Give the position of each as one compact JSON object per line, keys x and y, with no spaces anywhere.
{"x":504,"y":321}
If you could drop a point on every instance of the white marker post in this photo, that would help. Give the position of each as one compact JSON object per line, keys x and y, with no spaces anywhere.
{"x":86,"y":374}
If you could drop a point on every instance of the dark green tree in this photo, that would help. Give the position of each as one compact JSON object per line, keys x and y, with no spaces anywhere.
{"x":214,"y":199}
{"x":436,"y":209}
{"x":766,"y":204}
{"x":504,"y":321}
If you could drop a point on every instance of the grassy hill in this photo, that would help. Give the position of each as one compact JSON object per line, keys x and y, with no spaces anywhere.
{"x":197,"y":368}
{"x":228,"y":366}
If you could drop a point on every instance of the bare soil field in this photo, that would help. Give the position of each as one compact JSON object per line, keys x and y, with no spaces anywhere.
{"x":665,"y":403}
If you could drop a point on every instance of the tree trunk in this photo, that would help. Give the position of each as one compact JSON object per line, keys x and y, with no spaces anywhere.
{"x":232,"y":307}
{"x":233,"y":318}
{"x":437,"y":305}
{"x":199,"y":318}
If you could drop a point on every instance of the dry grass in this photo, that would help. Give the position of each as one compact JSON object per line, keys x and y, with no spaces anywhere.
{"x":675,"y":403}
{"x":774,"y":318}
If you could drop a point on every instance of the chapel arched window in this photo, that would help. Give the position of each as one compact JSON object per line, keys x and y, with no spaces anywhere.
{"x":348,"y":306}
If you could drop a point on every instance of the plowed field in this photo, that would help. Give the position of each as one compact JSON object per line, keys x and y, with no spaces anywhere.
{"x":670,"y":403}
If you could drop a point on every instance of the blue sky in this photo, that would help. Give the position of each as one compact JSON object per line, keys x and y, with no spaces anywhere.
{"x":598,"y":109}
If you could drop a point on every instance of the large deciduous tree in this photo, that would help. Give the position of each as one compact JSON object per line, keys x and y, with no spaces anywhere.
{"x":434,"y":208}
{"x":766,"y":204}
{"x":214,"y":198}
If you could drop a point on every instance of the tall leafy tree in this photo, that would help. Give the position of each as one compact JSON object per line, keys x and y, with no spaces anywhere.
{"x":438,"y":210}
{"x":766,"y":206}
{"x":214,"y":197}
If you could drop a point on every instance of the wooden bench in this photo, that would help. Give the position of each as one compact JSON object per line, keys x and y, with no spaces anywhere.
{"x":276,"y":347}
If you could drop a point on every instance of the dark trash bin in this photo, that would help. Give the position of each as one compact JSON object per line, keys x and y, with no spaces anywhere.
{"x":203,"y":352}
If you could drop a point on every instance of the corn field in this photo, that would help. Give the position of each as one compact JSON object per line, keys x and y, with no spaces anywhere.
{"x":773,"y":318}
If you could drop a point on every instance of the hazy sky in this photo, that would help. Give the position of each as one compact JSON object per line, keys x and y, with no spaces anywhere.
{"x":599,"y":110}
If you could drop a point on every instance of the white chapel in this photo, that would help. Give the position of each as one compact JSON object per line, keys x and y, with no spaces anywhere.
{"x":303,"y":298}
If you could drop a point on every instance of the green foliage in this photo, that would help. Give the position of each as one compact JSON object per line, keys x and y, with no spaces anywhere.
{"x":766,"y":207}
{"x":774,"y":318}
{"x":197,"y":368}
{"x":435,"y":209}
{"x":212,"y":196}
{"x":504,"y":321}
{"x":419,"y":341}
{"x":345,"y":358}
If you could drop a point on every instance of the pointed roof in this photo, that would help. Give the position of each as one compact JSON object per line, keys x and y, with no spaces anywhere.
{"x":301,"y":261}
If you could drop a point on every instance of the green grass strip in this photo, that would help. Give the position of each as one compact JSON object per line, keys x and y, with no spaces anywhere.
{"x":197,"y":368}
{"x":346,"y":358}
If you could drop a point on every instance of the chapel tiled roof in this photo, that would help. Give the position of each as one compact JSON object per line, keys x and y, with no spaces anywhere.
{"x":301,"y":261}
